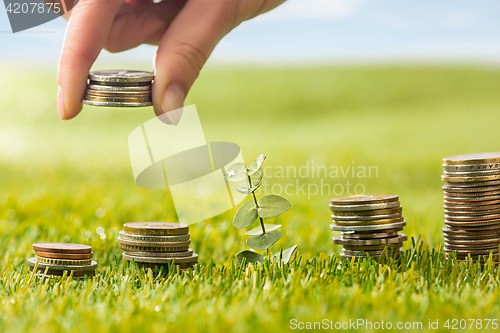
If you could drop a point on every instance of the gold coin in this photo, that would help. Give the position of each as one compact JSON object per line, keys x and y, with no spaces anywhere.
{"x":153,"y":249}
{"x":116,"y":99}
{"x":64,"y":261}
{"x":156,"y":228}
{"x":364,"y":199}
{"x":461,"y":179}
{"x":370,"y":212}
{"x":369,"y":222}
{"x":123,"y":93}
{"x":478,"y":158}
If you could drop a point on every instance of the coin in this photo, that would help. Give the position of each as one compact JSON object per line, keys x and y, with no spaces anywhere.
{"x":475,"y":208}
{"x":471,"y":194}
{"x":477,"y":189}
{"x":374,"y":231}
{"x":473,"y":173}
{"x":472,"y":184}
{"x":145,"y":265}
{"x":117,"y":104}
{"x":484,"y":198}
{"x":470,"y":247}
{"x":373,"y":222}
{"x":62,"y":248}
{"x":186,"y":253}
{"x":117,"y":99}
{"x":64,"y":255}
{"x":158,"y":260}
{"x":395,"y":210}
{"x":156,"y":228}
{"x":132,"y":248}
{"x":178,"y":238}
{"x":465,"y":179}
{"x":380,"y":241}
{"x":365,"y":207}
{"x":366,"y":218}
{"x":352,"y":235}
{"x":471,"y":252}
{"x":374,"y":253}
{"x":472,"y":241}
{"x":129,"y":88}
{"x":41,"y":266}
{"x":371,"y":247}
{"x":471,"y":167}
{"x":471,"y":217}
{"x":476,"y":158}
{"x":367,"y":227}
{"x":121,"y":76}
{"x":123,"y":93}
{"x":477,"y":214}
{"x":55,"y":272}
{"x":364,"y":199}
{"x":64,"y":261}
{"x":153,"y":244}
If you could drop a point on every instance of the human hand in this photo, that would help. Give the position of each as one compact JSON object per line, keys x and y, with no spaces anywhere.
{"x":186,"y":31}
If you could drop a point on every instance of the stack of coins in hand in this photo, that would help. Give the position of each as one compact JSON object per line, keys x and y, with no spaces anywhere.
{"x":119,"y":88}
{"x":472,"y":205}
{"x":157,"y":243}
{"x":368,"y":224}
{"x":57,"y":258}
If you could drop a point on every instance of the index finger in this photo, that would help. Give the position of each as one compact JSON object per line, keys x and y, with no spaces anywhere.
{"x":86,"y":34}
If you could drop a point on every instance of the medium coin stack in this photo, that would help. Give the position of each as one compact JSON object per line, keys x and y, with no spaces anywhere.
{"x":157,"y":243}
{"x":119,"y":88}
{"x":472,"y":205}
{"x":57,"y":258}
{"x":368,"y":224}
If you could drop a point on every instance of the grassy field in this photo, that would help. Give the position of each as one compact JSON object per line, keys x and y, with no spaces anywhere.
{"x":60,"y":182}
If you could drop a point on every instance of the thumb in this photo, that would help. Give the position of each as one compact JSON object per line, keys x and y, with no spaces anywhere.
{"x":185,"y":48}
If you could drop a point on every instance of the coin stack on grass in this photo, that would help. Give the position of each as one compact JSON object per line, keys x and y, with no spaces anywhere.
{"x":157,"y":243}
{"x":472,"y":205}
{"x":119,"y":88}
{"x":57,"y":258}
{"x":368,"y":224}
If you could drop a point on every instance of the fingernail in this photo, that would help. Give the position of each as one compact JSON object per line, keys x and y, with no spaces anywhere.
{"x":60,"y":104}
{"x":173,"y":98}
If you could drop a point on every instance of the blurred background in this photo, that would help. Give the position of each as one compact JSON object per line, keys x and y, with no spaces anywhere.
{"x":395,"y":85}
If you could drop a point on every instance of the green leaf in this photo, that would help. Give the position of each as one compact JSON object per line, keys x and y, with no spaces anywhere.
{"x":272,"y":206}
{"x":287,"y":254}
{"x":247,"y":191}
{"x":258,"y":230}
{"x":246,"y":215}
{"x":252,"y":257}
{"x":255,"y":165}
{"x":264,"y":241}
{"x":256,"y":179}
{"x":236,"y":172}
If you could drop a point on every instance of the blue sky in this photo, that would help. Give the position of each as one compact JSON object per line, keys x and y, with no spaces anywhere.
{"x":320,"y":31}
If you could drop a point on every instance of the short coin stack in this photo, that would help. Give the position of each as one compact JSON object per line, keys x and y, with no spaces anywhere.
{"x":157,"y":243}
{"x":368,"y":224}
{"x":57,"y":258}
{"x":472,"y":205}
{"x":119,"y":88}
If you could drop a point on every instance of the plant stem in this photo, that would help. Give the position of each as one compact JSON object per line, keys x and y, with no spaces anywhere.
{"x":257,"y":205}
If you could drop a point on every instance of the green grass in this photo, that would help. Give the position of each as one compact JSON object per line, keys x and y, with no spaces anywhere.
{"x":403,"y":120}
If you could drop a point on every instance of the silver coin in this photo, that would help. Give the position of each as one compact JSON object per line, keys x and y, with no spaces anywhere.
{"x":160,"y":254}
{"x":367,"y":227}
{"x":372,"y":247}
{"x":366,"y":218}
{"x":352,"y":235}
{"x":472,"y":173}
{"x":478,"y":214}
{"x":149,"y":244}
{"x":473,"y":184}
{"x":115,"y":104}
{"x":471,"y":198}
{"x":464,"y":208}
{"x":121,"y":76}
{"x":471,"y":247}
{"x":42,"y":266}
{"x":477,"y":218}
{"x":178,"y":238}
{"x":379,"y":241}
{"x":478,"y":190}
{"x":366,"y":253}
{"x":472,"y":241}
{"x":157,"y":260}
{"x":471,"y":167}
{"x":118,"y":88}
{"x":356,"y":208}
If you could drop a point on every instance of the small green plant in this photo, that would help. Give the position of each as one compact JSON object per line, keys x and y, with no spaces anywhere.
{"x":267,"y":207}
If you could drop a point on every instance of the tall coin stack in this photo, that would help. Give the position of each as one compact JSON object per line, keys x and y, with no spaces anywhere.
{"x":57,"y":258}
{"x":368,"y":224}
{"x":119,"y":88}
{"x":157,"y":243}
{"x":472,"y":205}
